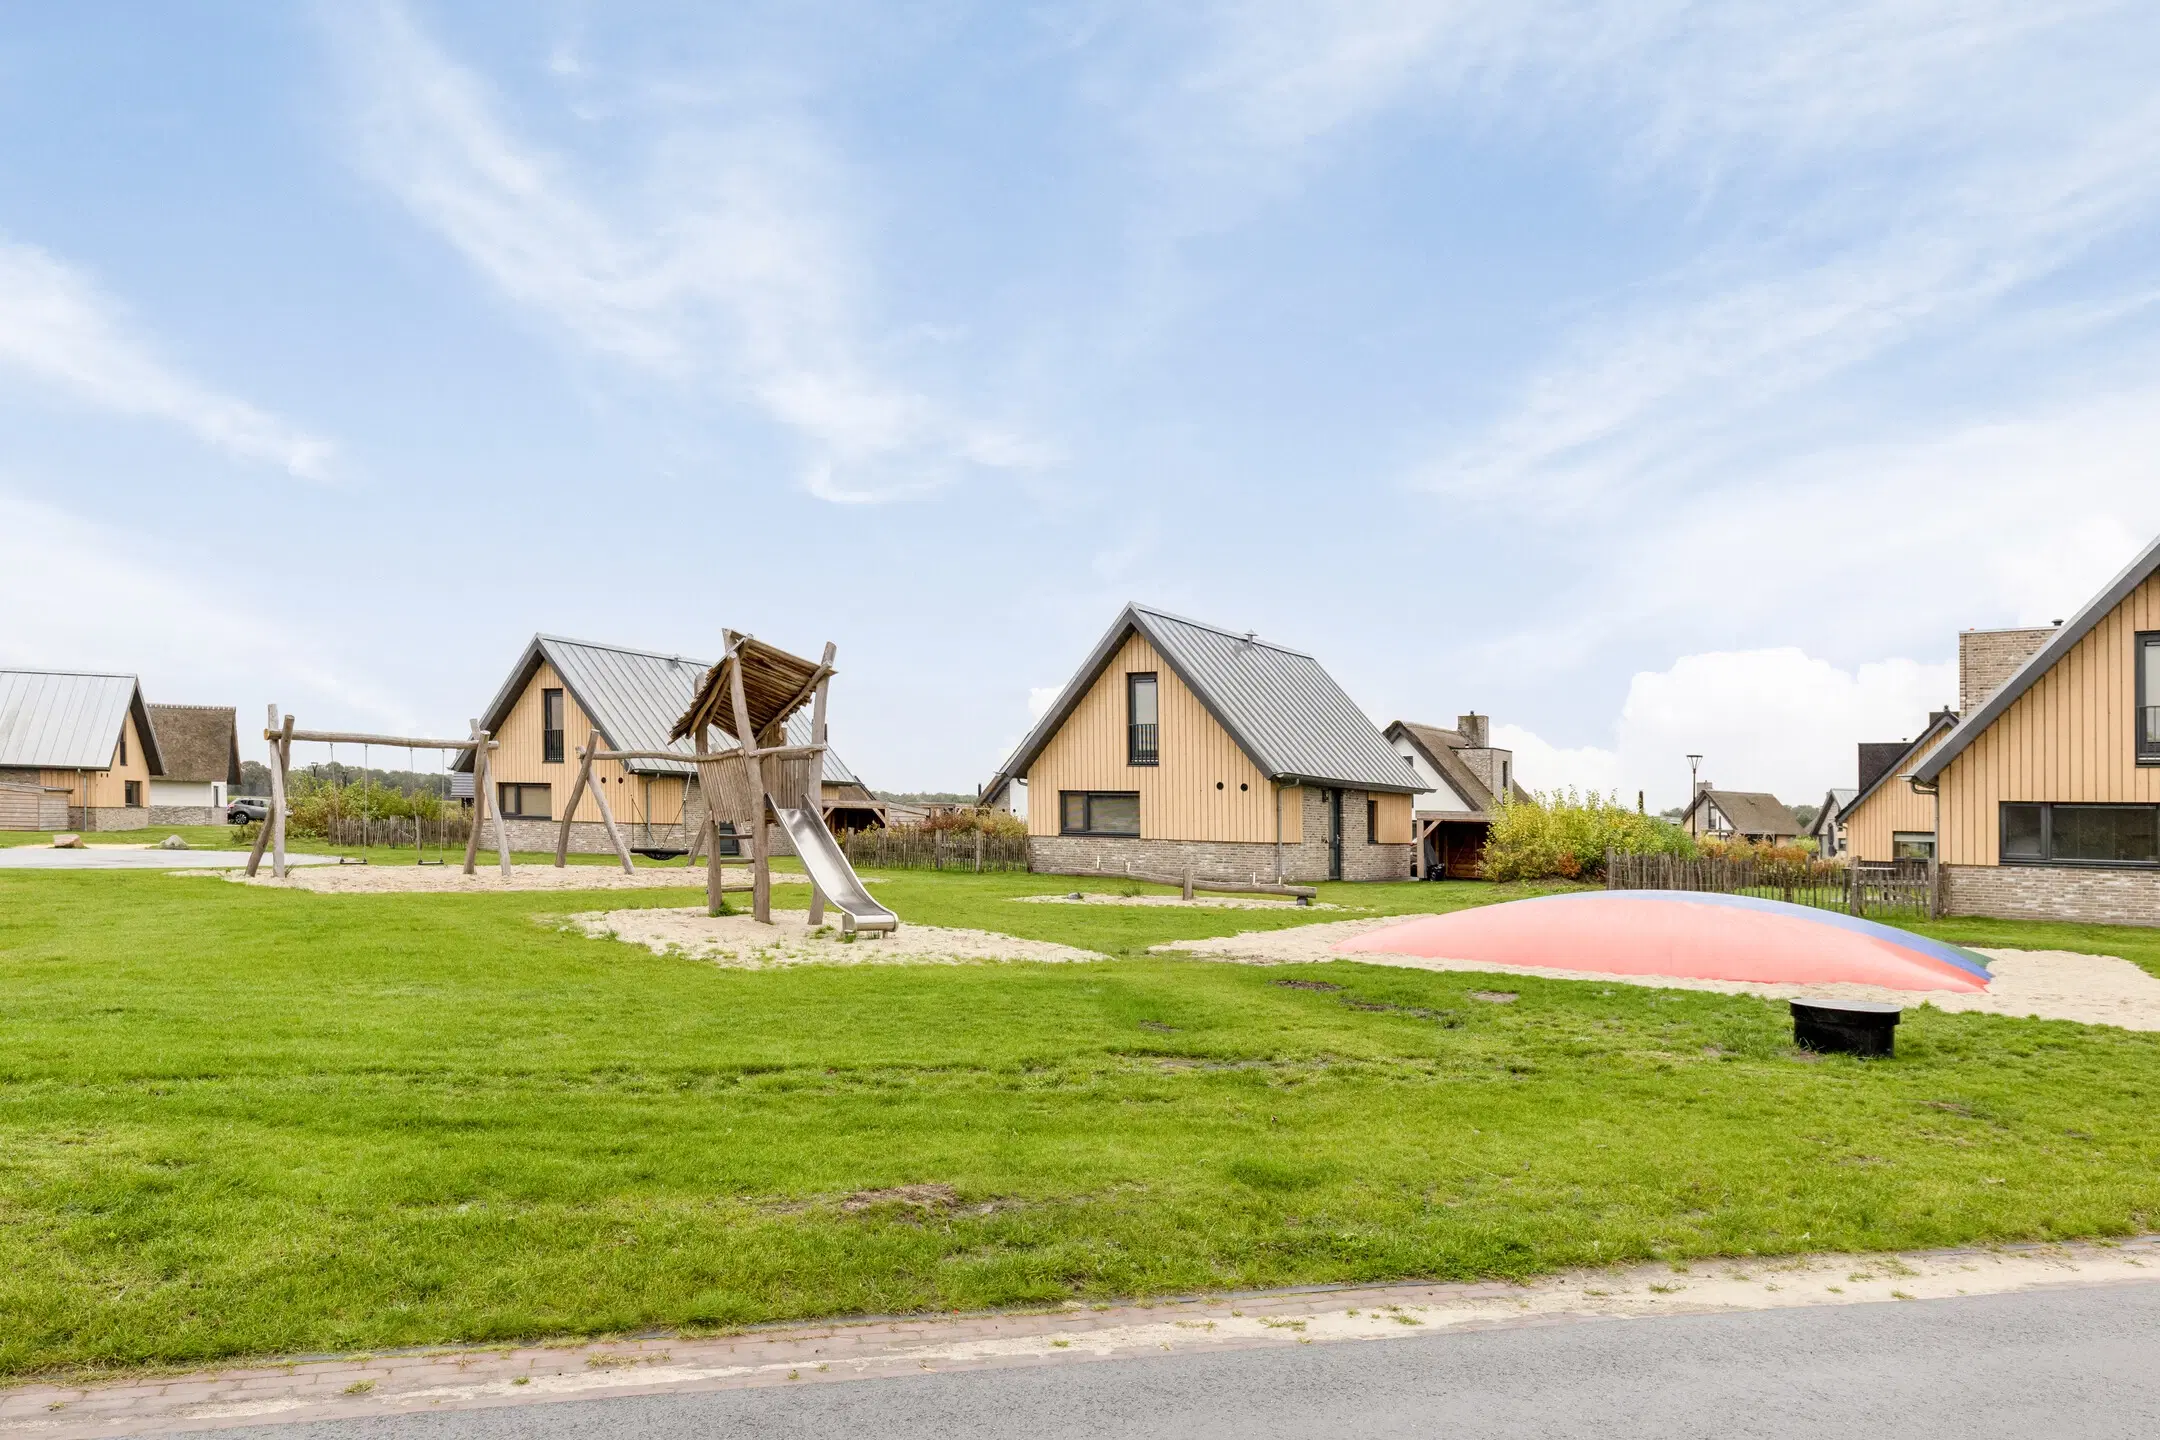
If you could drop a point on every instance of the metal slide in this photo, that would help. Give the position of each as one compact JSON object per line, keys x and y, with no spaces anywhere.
{"x":829,"y":869}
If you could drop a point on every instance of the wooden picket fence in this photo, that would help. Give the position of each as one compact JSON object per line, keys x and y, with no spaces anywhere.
{"x":913,"y":847}
{"x":1901,"y":887}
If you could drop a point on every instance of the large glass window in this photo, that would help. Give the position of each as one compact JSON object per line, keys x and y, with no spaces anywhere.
{"x":1912,"y":845}
{"x":524,"y":802}
{"x":1143,"y":720}
{"x":551,"y":727}
{"x":1098,"y":812}
{"x":2148,"y":699}
{"x":2081,"y":834}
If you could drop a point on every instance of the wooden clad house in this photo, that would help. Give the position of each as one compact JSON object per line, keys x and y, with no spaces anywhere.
{"x":2045,"y":798}
{"x":560,"y":692}
{"x":1461,"y":775}
{"x":1886,"y":819}
{"x":75,"y":747}
{"x":200,"y":745}
{"x":1178,"y":745}
{"x":1827,"y":829}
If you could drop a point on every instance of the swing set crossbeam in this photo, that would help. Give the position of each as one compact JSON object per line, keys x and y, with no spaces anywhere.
{"x":400,"y":742}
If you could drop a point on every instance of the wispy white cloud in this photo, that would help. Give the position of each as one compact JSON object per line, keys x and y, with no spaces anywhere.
{"x":60,"y":329}
{"x":732,"y":264}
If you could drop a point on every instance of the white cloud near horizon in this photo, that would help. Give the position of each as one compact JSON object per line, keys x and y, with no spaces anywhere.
{"x":60,"y":329}
{"x":1777,"y":719}
{"x":732,"y":264}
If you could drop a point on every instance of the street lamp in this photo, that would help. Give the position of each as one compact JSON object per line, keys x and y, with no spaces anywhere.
{"x":1694,"y":762}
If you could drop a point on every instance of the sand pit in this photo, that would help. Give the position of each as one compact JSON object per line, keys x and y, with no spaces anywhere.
{"x":738,"y":942}
{"x":408,"y":878}
{"x":2041,"y":984}
{"x":1198,"y":902}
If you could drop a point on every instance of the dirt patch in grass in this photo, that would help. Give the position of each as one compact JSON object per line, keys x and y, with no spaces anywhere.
{"x":2040,"y":984}
{"x":739,"y":942}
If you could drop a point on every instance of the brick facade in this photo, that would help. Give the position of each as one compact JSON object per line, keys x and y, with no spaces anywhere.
{"x":2089,"y":894}
{"x":186,"y":815}
{"x":1986,"y":658}
{"x":1303,"y":863}
{"x":90,"y":818}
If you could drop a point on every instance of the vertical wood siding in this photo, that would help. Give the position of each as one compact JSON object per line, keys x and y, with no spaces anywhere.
{"x":107,"y":788}
{"x":1192,"y":794}
{"x":1393,"y":817}
{"x":634,"y":798}
{"x":2071,"y":737}
{"x":1895,"y":806}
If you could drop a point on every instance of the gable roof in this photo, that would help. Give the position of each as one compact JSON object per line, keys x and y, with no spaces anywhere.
{"x":1286,"y":713}
{"x":1938,"y":723}
{"x":198,"y":742}
{"x":1438,"y":745}
{"x":2065,"y":638}
{"x":71,"y":720}
{"x":633,"y":696}
{"x":1835,"y":802}
{"x":1752,"y":812}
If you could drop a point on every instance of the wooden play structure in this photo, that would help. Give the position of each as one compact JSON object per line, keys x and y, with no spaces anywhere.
{"x":762,"y":781}
{"x":281,"y":736}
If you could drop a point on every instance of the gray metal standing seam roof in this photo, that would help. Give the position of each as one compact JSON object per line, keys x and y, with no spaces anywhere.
{"x":1285,"y":712}
{"x":62,"y":720}
{"x":635,"y":697}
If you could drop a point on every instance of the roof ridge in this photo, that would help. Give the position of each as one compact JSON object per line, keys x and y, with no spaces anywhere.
{"x":1248,"y":637}
{"x":621,"y":649}
{"x":81,"y":674}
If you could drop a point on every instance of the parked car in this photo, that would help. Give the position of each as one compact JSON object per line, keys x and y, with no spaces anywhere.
{"x":242,"y":808}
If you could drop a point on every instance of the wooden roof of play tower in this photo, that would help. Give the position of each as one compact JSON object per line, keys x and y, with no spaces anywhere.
{"x":775,"y":685}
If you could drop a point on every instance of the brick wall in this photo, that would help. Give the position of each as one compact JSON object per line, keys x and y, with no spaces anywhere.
{"x":186,"y":815}
{"x":2092,"y":895}
{"x":1986,"y":658}
{"x":1304,"y":863}
{"x":107,"y":817}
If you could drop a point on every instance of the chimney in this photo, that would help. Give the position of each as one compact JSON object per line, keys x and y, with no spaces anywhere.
{"x":1703,"y":785}
{"x":1987,"y":658}
{"x":1472,"y":727}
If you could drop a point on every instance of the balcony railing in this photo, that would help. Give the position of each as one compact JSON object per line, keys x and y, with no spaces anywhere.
{"x":2148,"y":733}
{"x":1140,"y":745}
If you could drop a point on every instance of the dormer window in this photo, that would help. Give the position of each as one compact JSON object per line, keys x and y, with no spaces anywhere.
{"x":1143,"y":720}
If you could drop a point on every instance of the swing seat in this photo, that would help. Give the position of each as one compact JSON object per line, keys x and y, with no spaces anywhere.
{"x":659,"y":852}
{"x":352,"y":859}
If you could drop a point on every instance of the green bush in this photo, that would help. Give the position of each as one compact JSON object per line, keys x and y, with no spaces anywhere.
{"x":1560,"y":834}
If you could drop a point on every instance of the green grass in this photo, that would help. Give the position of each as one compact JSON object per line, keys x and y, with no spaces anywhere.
{"x":241,"y":1121}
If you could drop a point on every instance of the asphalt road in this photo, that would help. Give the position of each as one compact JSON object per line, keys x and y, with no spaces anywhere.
{"x":2054,"y":1363}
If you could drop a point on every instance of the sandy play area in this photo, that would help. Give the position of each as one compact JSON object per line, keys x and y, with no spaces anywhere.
{"x":2044,"y":984}
{"x":1198,"y":902}
{"x":408,"y":877}
{"x":739,"y":942}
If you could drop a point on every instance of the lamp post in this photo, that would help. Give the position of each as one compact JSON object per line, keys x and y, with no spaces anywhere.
{"x":1694,"y":763}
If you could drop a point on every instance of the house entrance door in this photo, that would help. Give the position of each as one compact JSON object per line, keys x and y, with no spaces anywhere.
{"x":1334,"y":834}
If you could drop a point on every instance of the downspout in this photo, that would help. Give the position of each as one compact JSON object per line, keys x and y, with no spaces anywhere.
{"x":1934,"y":791}
{"x":1278,"y":832}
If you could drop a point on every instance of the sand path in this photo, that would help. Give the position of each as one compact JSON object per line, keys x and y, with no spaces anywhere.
{"x":739,"y":942}
{"x":2040,"y":984}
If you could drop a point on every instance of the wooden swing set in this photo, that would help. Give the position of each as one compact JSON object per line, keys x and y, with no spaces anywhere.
{"x":281,"y":734}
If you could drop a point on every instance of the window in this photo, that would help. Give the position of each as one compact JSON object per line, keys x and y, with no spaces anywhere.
{"x":551,"y":727}
{"x":133,"y":796}
{"x":2080,"y":834}
{"x":1912,"y":844}
{"x":123,"y":747}
{"x":1098,"y":812}
{"x":1372,"y":821}
{"x":2148,"y":699}
{"x":524,"y":802}
{"x":1506,"y":777}
{"x":1143,"y":716}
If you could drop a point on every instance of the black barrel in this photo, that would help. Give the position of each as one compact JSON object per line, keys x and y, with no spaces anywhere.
{"x":1846,"y":1027}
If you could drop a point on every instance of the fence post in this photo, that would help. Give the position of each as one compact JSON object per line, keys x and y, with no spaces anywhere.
{"x":978,"y":852}
{"x":937,"y":849}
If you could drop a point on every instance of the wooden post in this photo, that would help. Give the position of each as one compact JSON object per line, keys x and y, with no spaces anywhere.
{"x":709,"y":837}
{"x":816,"y":797}
{"x":746,"y":736}
{"x":978,"y":851}
{"x":577,"y":788}
{"x":262,"y":836}
{"x":607,"y":816}
{"x":1188,"y":868}
{"x":479,"y":811}
{"x":280,"y":789}
{"x":502,"y":826}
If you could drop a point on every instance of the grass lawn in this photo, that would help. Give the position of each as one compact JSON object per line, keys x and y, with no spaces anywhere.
{"x":239,"y":1121}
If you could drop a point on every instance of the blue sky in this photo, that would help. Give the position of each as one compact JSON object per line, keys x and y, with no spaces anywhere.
{"x":1652,"y":377}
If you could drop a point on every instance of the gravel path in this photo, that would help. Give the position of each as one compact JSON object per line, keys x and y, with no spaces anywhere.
{"x":451,"y":879}
{"x":741,"y":943}
{"x":2042,"y":984}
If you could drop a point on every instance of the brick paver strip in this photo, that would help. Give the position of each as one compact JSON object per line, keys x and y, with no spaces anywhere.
{"x":432,"y":1379}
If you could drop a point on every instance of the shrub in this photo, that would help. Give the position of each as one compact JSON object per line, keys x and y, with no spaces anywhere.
{"x":969,"y":821}
{"x":1561,"y":834}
